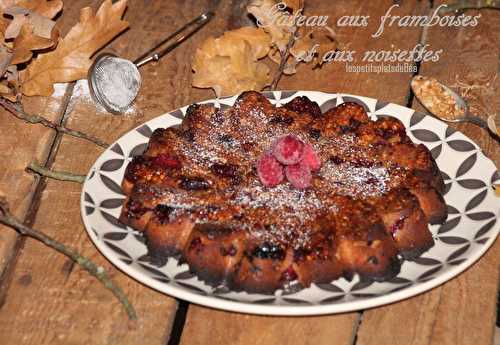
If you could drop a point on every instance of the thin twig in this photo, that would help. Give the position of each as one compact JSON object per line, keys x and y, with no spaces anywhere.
{"x":17,"y":110}
{"x":461,"y":5}
{"x":56,"y":175}
{"x":7,"y":218}
{"x":284,"y":55}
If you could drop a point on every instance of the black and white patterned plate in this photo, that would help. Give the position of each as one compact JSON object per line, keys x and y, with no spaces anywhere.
{"x":471,"y":228}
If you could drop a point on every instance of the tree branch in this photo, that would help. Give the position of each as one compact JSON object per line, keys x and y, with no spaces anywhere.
{"x":7,"y":218}
{"x":17,"y":110}
{"x":56,"y":175}
{"x":283,"y":59}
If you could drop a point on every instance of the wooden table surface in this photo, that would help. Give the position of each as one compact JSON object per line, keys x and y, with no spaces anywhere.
{"x":45,"y":299}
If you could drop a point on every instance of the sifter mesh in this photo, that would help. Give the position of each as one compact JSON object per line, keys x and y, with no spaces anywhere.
{"x":114,"y":82}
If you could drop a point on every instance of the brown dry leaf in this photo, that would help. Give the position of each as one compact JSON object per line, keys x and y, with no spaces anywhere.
{"x":9,"y":87}
{"x":71,"y":59}
{"x":27,"y":41}
{"x":4,"y":88}
{"x":7,"y":3}
{"x":13,"y":77}
{"x":322,"y":37}
{"x":4,"y":23}
{"x":257,"y":38}
{"x":229,"y":64}
{"x":274,"y":20}
{"x":39,"y":8}
{"x":7,"y":92}
{"x":295,"y":5}
{"x":5,"y":59}
{"x":44,"y":8}
{"x":42,"y":25}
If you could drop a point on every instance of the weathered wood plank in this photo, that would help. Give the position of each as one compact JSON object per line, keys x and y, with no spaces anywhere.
{"x":208,"y":326}
{"x":21,"y":143}
{"x":51,"y":301}
{"x":461,"y":311}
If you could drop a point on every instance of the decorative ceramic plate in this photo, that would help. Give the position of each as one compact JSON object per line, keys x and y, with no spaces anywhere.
{"x":470,"y":230}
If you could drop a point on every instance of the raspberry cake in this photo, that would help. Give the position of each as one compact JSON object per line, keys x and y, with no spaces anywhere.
{"x":255,"y":196}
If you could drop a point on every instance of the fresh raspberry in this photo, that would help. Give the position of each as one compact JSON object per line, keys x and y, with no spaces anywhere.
{"x":299,"y":175}
{"x":269,"y":170}
{"x":310,"y":158}
{"x":288,"y":150}
{"x":166,"y":161}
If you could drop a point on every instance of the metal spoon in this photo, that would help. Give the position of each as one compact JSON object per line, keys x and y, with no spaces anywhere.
{"x":115,"y":82}
{"x":489,"y":125}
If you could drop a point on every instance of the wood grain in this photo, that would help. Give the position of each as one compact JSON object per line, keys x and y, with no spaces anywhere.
{"x":21,"y":143}
{"x":49,"y":300}
{"x":230,"y":328}
{"x":462,"y":311}
{"x":206,"y":325}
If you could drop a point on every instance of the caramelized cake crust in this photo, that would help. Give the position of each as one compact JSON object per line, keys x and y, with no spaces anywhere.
{"x":195,"y":194}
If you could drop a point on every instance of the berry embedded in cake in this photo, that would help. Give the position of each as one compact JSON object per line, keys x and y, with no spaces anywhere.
{"x":255,"y":196}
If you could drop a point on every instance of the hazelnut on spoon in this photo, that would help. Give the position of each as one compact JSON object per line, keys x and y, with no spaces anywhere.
{"x":447,"y":105}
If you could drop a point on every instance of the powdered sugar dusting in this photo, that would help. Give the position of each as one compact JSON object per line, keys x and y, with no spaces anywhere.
{"x":59,"y":90}
{"x":81,"y":93}
{"x":295,"y":208}
{"x":282,"y":197}
{"x":360,"y":182}
{"x":240,"y":135}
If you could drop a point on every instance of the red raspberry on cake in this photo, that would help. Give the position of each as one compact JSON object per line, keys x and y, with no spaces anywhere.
{"x":269,"y":170}
{"x":296,"y":158}
{"x":288,"y":150}
{"x":310,"y":158}
{"x":299,"y":175}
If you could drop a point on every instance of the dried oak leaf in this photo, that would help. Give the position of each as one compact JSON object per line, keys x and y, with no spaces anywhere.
{"x":5,"y":59}
{"x":310,"y":46}
{"x":42,"y":26}
{"x":71,"y":59}
{"x":7,"y":3}
{"x":229,"y":64}
{"x":9,"y":88}
{"x":44,"y":8}
{"x":6,"y":92}
{"x":321,"y":39}
{"x":27,"y":41}
{"x":37,"y":12}
{"x":294,"y":5}
{"x":274,"y":19}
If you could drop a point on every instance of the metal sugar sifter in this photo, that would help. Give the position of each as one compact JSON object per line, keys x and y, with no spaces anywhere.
{"x":114,"y":82}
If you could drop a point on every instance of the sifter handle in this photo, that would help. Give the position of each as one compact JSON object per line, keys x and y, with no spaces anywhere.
{"x":193,"y":27}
